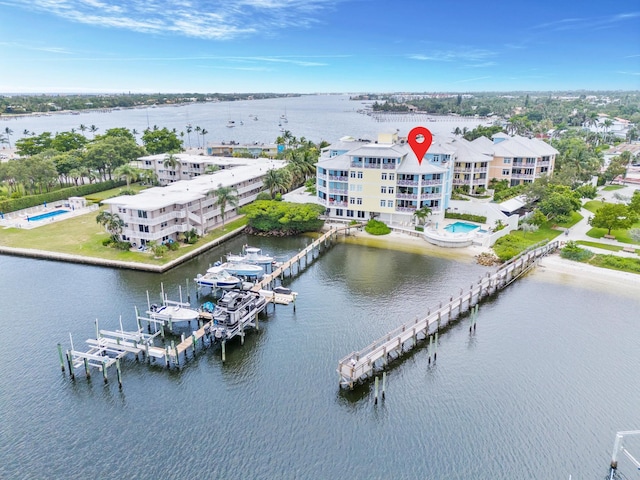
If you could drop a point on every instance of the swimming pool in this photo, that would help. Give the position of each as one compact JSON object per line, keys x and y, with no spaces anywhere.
{"x":42,"y":216}
{"x":461,"y":227}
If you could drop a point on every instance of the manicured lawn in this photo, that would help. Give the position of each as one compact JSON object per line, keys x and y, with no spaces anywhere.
{"x":114,"y":192}
{"x":593,"y":205}
{"x":575,"y":218}
{"x":610,"y":188}
{"x":509,"y":246}
{"x":603,"y":246}
{"x":81,"y":235}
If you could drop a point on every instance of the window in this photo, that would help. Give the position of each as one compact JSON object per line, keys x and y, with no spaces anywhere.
{"x":359,"y":174}
{"x":384,"y":176}
{"x":389,"y":203}
{"x":360,"y":214}
{"x":122,"y":210}
{"x":349,"y":213}
{"x":383,"y":189}
{"x":383,"y":203}
{"x":359,"y":201}
{"x":352,"y":201}
{"x":505,"y":172}
{"x":142,"y":214}
{"x":352,"y":174}
{"x":143,"y":228}
{"x":339,"y":212}
{"x":392,"y":176}
{"x":391,"y":190}
{"x":507,"y":161}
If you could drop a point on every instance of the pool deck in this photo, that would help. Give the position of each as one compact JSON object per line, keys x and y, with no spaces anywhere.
{"x":18,"y":219}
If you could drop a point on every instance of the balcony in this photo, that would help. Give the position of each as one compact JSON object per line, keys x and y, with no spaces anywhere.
{"x":335,"y":203}
{"x":372,"y":165}
{"x":407,"y":209}
{"x":339,"y":191}
{"x":430,"y":196}
{"x":356,"y":165}
{"x":412,"y":183}
{"x":339,"y":178}
{"x":431,"y":182}
{"x":526,"y":176}
{"x":389,"y":166}
{"x":409,"y":196}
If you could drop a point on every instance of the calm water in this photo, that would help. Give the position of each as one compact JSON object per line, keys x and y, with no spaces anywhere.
{"x":538,"y":392}
{"x":321,"y":117}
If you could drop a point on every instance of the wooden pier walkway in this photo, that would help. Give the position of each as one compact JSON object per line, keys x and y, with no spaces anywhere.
{"x":325,"y":240}
{"x":364,"y":363}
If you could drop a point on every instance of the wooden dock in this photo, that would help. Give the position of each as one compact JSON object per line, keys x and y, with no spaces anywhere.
{"x":295,"y":264}
{"x":362,"y":364}
{"x":109,"y":347}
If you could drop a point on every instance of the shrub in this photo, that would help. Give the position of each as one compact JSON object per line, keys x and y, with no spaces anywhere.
{"x":173,"y":246}
{"x":615,"y":262}
{"x":572,"y":251}
{"x":466,"y":216}
{"x":107,"y":242}
{"x":122,"y":245}
{"x":263,"y":196}
{"x":509,"y":246}
{"x":376,"y":227}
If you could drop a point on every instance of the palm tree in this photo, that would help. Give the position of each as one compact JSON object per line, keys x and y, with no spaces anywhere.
{"x":197,"y":133}
{"x":170,"y":161}
{"x":93,"y":129}
{"x":128,"y":172}
{"x":607,"y":124}
{"x":83,"y":128}
{"x":111,"y":222}
{"x":421,"y":214}
{"x":9,"y":132}
{"x":189,"y":130}
{"x":276,"y":181}
{"x":203,"y":132}
{"x":225,"y":196}
{"x":211,"y":169}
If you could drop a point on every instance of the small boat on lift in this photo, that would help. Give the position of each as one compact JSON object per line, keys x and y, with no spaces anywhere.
{"x":217,"y":277}
{"x":235,"y":310}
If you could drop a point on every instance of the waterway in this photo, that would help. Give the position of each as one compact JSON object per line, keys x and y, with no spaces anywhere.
{"x":315,"y":117}
{"x":537,"y":392}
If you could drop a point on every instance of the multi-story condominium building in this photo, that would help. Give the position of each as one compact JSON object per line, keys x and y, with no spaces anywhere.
{"x":361,"y":180}
{"x":182,"y":166}
{"x":517,"y":159}
{"x":160,"y":214}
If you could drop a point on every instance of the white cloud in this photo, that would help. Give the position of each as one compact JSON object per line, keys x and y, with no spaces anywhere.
{"x":221,"y":20}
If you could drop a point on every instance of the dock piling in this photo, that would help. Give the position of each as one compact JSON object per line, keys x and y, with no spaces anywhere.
{"x":224,"y":356}
{"x":375,"y":401}
{"x":384,"y":381}
{"x":61,"y":357}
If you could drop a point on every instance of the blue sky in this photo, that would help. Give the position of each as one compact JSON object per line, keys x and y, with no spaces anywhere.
{"x":317,"y":45}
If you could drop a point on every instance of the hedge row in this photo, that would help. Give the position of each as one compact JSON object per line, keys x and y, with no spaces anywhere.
{"x":466,"y":216}
{"x":13,"y":204}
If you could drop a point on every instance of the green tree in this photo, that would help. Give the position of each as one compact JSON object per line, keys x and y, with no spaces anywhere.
{"x":613,"y":216}
{"x":421,"y":214}
{"x":225,"y":196}
{"x":634,"y":204}
{"x":33,"y":145}
{"x":161,"y":141}
{"x":170,"y":161}
{"x":128,"y":172}
{"x":8,"y":132}
{"x":112,"y":223}
{"x":277,"y":181}
{"x":68,"y":141}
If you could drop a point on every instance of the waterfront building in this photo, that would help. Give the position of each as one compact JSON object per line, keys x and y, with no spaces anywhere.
{"x":359,"y":180}
{"x":160,"y":214}
{"x":518,"y":159}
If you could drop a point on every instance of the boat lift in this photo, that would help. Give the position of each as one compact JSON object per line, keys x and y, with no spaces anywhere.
{"x":619,"y":447}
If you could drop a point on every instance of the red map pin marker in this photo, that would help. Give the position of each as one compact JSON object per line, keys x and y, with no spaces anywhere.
{"x":419,"y":140}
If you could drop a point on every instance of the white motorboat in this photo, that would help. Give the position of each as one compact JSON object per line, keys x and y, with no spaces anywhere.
{"x":236,"y":266}
{"x":217,"y":277}
{"x":171,"y":311}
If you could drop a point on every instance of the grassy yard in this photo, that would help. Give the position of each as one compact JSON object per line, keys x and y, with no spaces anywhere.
{"x":81,"y":235}
{"x":575,"y":218}
{"x":510,"y":245}
{"x":610,"y":188}
{"x":114,"y":192}
{"x":603,"y":246}
{"x":593,"y":205}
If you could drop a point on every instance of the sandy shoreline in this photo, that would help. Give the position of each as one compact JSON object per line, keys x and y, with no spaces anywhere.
{"x":551,"y":269}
